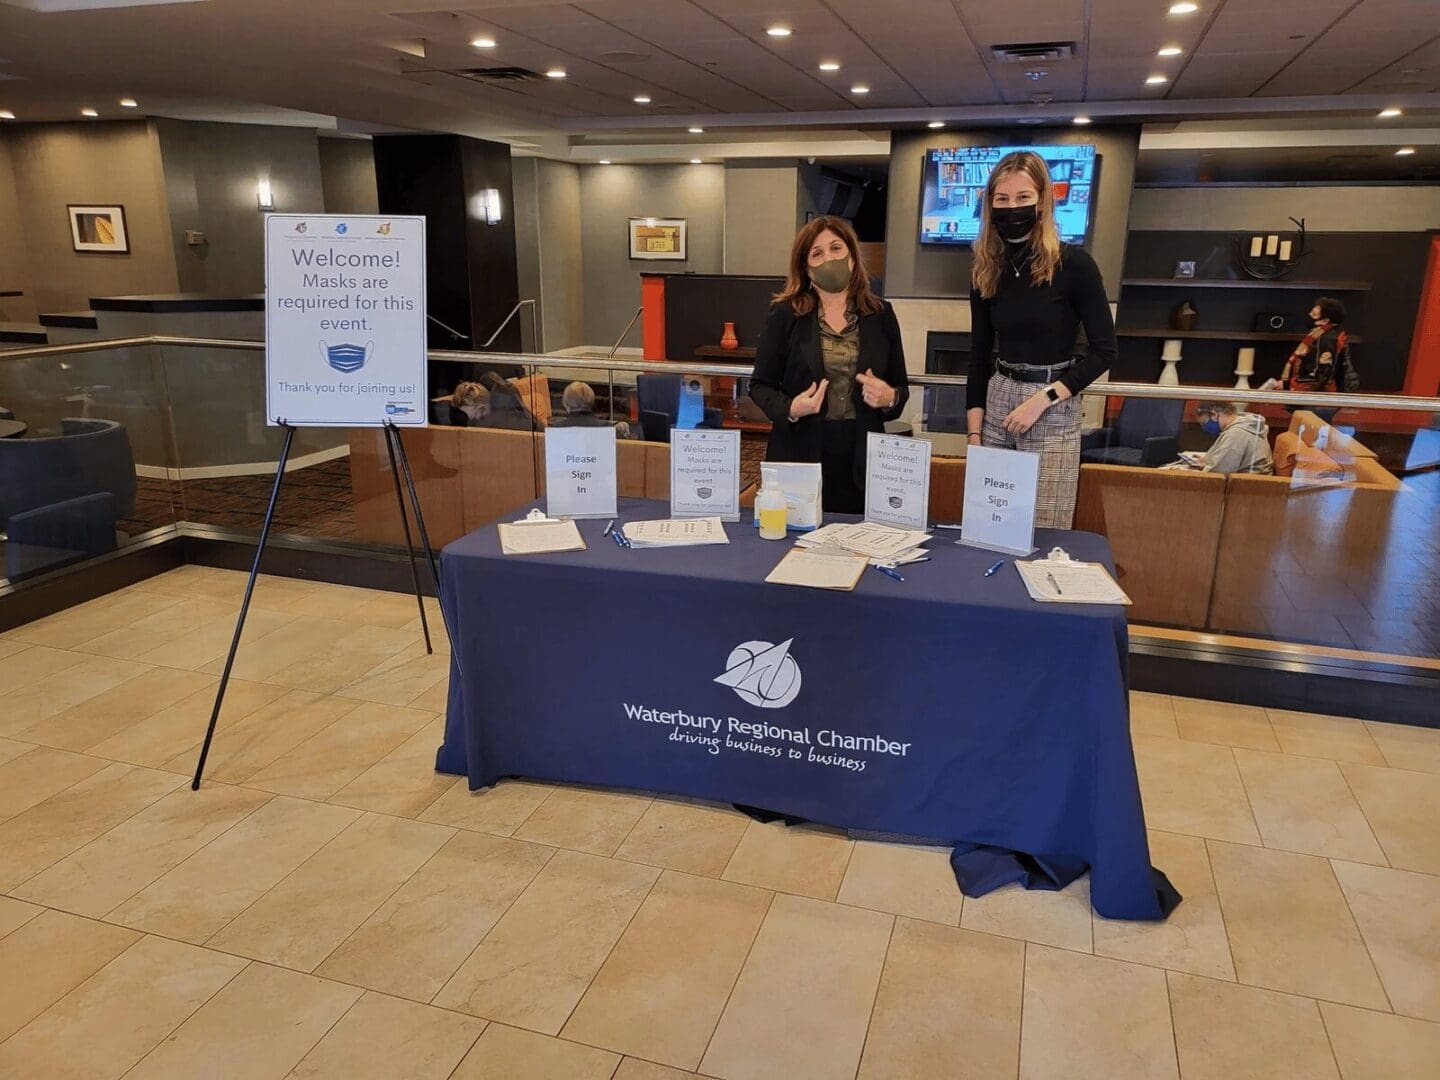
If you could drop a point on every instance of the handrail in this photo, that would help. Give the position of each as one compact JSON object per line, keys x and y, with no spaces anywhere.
{"x":1397,"y":402}
{"x":623,"y":333}
{"x":506,"y":321}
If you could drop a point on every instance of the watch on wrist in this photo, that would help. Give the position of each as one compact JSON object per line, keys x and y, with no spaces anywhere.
{"x":1052,"y":395}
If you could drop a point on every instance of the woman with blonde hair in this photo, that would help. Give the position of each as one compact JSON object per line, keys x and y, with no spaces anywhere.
{"x":830,"y":367}
{"x":1029,"y":294}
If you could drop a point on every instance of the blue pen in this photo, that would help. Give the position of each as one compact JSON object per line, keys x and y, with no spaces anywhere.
{"x":998,"y":563}
{"x":620,"y":540}
{"x":890,"y":572}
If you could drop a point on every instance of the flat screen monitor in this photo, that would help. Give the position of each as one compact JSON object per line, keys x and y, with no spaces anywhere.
{"x":954,"y":188}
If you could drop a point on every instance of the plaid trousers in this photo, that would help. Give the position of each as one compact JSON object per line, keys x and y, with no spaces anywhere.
{"x":1055,"y":437}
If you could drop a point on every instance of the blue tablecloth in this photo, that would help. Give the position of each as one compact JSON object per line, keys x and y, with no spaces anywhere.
{"x":950,"y":706}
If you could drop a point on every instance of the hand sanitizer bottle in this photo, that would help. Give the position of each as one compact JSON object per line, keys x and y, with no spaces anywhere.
{"x":770,"y":506}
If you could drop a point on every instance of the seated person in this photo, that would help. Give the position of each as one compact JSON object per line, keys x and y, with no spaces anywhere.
{"x":579,"y":402}
{"x":1242,"y":445}
{"x":473,"y":400}
{"x":507,"y":407}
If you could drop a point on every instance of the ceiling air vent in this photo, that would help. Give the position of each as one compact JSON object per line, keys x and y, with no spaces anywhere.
{"x":1031,"y":52}
{"x":499,"y":74}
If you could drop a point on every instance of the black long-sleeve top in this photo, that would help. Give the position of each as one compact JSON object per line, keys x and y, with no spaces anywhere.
{"x":1024,"y":323}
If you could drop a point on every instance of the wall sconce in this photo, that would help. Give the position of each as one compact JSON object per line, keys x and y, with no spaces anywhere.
{"x":264,"y":196}
{"x":487,"y":206}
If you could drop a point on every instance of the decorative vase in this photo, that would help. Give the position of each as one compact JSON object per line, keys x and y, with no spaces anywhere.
{"x":728,"y":340}
{"x":1244,"y":368}
{"x":1170,"y":375}
{"x":1183,"y":317}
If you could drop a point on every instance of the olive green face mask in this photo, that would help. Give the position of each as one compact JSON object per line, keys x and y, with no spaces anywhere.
{"x":832,"y":276}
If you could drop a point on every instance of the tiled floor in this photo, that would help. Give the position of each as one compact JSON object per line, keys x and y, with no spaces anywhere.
{"x":326,"y":906}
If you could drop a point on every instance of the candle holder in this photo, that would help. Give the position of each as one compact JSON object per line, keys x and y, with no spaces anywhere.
{"x":1170,"y":374}
{"x":1244,"y":368}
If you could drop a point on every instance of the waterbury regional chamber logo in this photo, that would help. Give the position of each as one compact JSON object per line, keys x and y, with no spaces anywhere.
{"x":762,"y":674}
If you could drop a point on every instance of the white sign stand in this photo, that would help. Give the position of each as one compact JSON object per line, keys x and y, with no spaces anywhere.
{"x":705,"y":473}
{"x":1000,"y":487}
{"x":345,"y":334}
{"x":897,"y":480}
{"x":580,"y":472}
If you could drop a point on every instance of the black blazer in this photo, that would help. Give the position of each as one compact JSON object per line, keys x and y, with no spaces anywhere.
{"x":788,"y":360}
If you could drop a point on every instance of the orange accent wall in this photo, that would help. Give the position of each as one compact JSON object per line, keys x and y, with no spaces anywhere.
{"x":1422,"y":375}
{"x":652,"y":327}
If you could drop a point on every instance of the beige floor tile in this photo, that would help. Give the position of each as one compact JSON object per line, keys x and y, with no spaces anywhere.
{"x":662,"y":990}
{"x":10,"y":749}
{"x":1193,"y":938}
{"x":112,"y":868}
{"x":437,"y":698}
{"x":1399,"y":917}
{"x":694,"y":838}
{"x":207,"y":890}
{"x":1303,"y":804}
{"x":73,"y":626}
{"x":171,"y":624}
{"x":1289,"y":926}
{"x":1060,"y":918}
{"x":1404,"y":810}
{"x":803,"y":1001}
{"x":1340,"y":738}
{"x":498,"y":810}
{"x":56,"y":953}
{"x":801,"y":859}
{"x":209,"y":642}
{"x":1088,"y":1016}
{"x":584,"y":819}
{"x":172,"y":736}
{"x":903,"y":880}
{"x":283,"y":593}
{"x":421,"y":935}
{"x":15,"y":914}
{"x":300,"y":922}
{"x":635,"y":1069}
{"x":122,"y":1012}
{"x":946,"y":996}
{"x":10,"y":646}
{"x":1224,"y":723}
{"x":394,"y":609}
{"x":384,"y":1038}
{"x":534,"y":966}
{"x":1229,"y":1032}
{"x":402,"y":678}
{"x":34,"y":776}
{"x":1378,"y":1046}
{"x":104,"y":715}
{"x":289,"y":640}
{"x":1152,"y":714}
{"x":342,"y":659}
{"x":1406,"y":746}
{"x":21,"y":670}
{"x":330,"y":759}
{"x":1194,"y":789}
{"x":506,"y":1053}
{"x":259,"y":1026}
{"x":266,"y":735}
{"x":66,"y":822}
{"x":321,"y":600}
{"x":30,"y":708}
{"x":404,"y":782}
{"x":189,"y":580}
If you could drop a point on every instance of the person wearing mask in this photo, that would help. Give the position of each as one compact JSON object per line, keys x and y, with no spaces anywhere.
{"x":829,"y":367}
{"x":1029,"y":294}
{"x":1317,"y":363}
{"x":1242,"y":446}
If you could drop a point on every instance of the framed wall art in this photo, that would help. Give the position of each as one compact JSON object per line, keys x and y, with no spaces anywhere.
{"x":99,"y":228}
{"x":658,"y":238}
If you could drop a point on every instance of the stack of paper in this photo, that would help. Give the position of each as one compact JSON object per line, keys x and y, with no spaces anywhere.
{"x":876,"y":542}
{"x":539,"y":536}
{"x":675,"y":532}
{"x":818,"y":570}
{"x":1061,"y":581}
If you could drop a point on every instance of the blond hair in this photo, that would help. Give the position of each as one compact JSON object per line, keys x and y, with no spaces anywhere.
{"x":1044,"y":241}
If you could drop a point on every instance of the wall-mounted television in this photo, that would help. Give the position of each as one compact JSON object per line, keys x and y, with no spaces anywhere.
{"x":954,"y":188}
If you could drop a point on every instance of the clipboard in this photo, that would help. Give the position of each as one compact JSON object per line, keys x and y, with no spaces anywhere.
{"x":1059,"y":579}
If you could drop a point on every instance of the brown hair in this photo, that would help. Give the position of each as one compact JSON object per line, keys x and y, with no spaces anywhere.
{"x":1045,"y":241}
{"x":798,"y":293}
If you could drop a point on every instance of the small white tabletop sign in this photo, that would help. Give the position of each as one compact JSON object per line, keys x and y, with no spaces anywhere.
{"x":1000,"y":488}
{"x":580,"y":472}
{"x":345,"y":320}
{"x":705,"y":474}
{"x":897,"y":480}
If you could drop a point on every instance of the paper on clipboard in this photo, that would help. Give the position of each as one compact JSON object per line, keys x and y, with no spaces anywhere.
{"x":539,"y":535}
{"x":1058,"y":579}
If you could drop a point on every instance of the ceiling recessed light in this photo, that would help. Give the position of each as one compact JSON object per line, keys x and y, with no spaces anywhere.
{"x":1184,"y":8}
{"x":695,"y":161}
{"x":555,"y":73}
{"x":936,"y":124}
{"x":485,"y":42}
{"x":1082,"y":120}
{"x":642,"y":99}
{"x":1170,"y":50}
{"x":604,"y":161}
{"x":697,"y":131}
{"x":6,"y":114}
{"x":89,"y":112}
{"x":1405,"y":151}
{"x":129,"y":103}
{"x":1156,"y":80}
{"x":829,"y":65}
{"x":859,"y":88}
{"x":1389,"y":114}
{"x":778,"y":31}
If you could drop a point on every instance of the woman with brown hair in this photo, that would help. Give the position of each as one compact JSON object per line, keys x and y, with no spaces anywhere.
{"x":830,"y":366}
{"x":1029,"y":293}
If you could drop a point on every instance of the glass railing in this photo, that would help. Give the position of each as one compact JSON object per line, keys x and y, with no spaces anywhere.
{"x":1336,"y":546}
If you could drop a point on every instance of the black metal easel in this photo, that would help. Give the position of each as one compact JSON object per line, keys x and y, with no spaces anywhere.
{"x":398,"y":462}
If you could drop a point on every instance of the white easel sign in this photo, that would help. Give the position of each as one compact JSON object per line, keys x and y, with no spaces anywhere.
{"x":705,"y":474}
{"x":1000,"y":487}
{"x":580,"y":472}
{"x":897,"y":480}
{"x":345,"y":331}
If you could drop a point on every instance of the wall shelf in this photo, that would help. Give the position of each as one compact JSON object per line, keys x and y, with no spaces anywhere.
{"x":1226,"y":283}
{"x":1220,"y":335}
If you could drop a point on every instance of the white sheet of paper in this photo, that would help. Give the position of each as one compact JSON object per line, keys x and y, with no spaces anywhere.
{"x":676,"y":532}
{"x":999,"y":508}
{"x":1070,"y":582}
{"x":814,"y":571}
{"x":539,"y":537}
{"x":580,"y":472}
{"x":897,"y":480}
{"x":704,"y":473}
{"x":870,"y":538}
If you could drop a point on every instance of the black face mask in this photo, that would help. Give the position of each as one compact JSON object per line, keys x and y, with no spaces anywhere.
{"x":1013,"y":223}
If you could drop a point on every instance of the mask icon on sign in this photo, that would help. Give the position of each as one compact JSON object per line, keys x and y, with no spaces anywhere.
{"x":704,"y":492}
{"x":896,"y":502}
{"x":346,"y":358}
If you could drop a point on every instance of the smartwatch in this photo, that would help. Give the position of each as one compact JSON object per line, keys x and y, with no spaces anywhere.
{"x":1052,"y":394}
